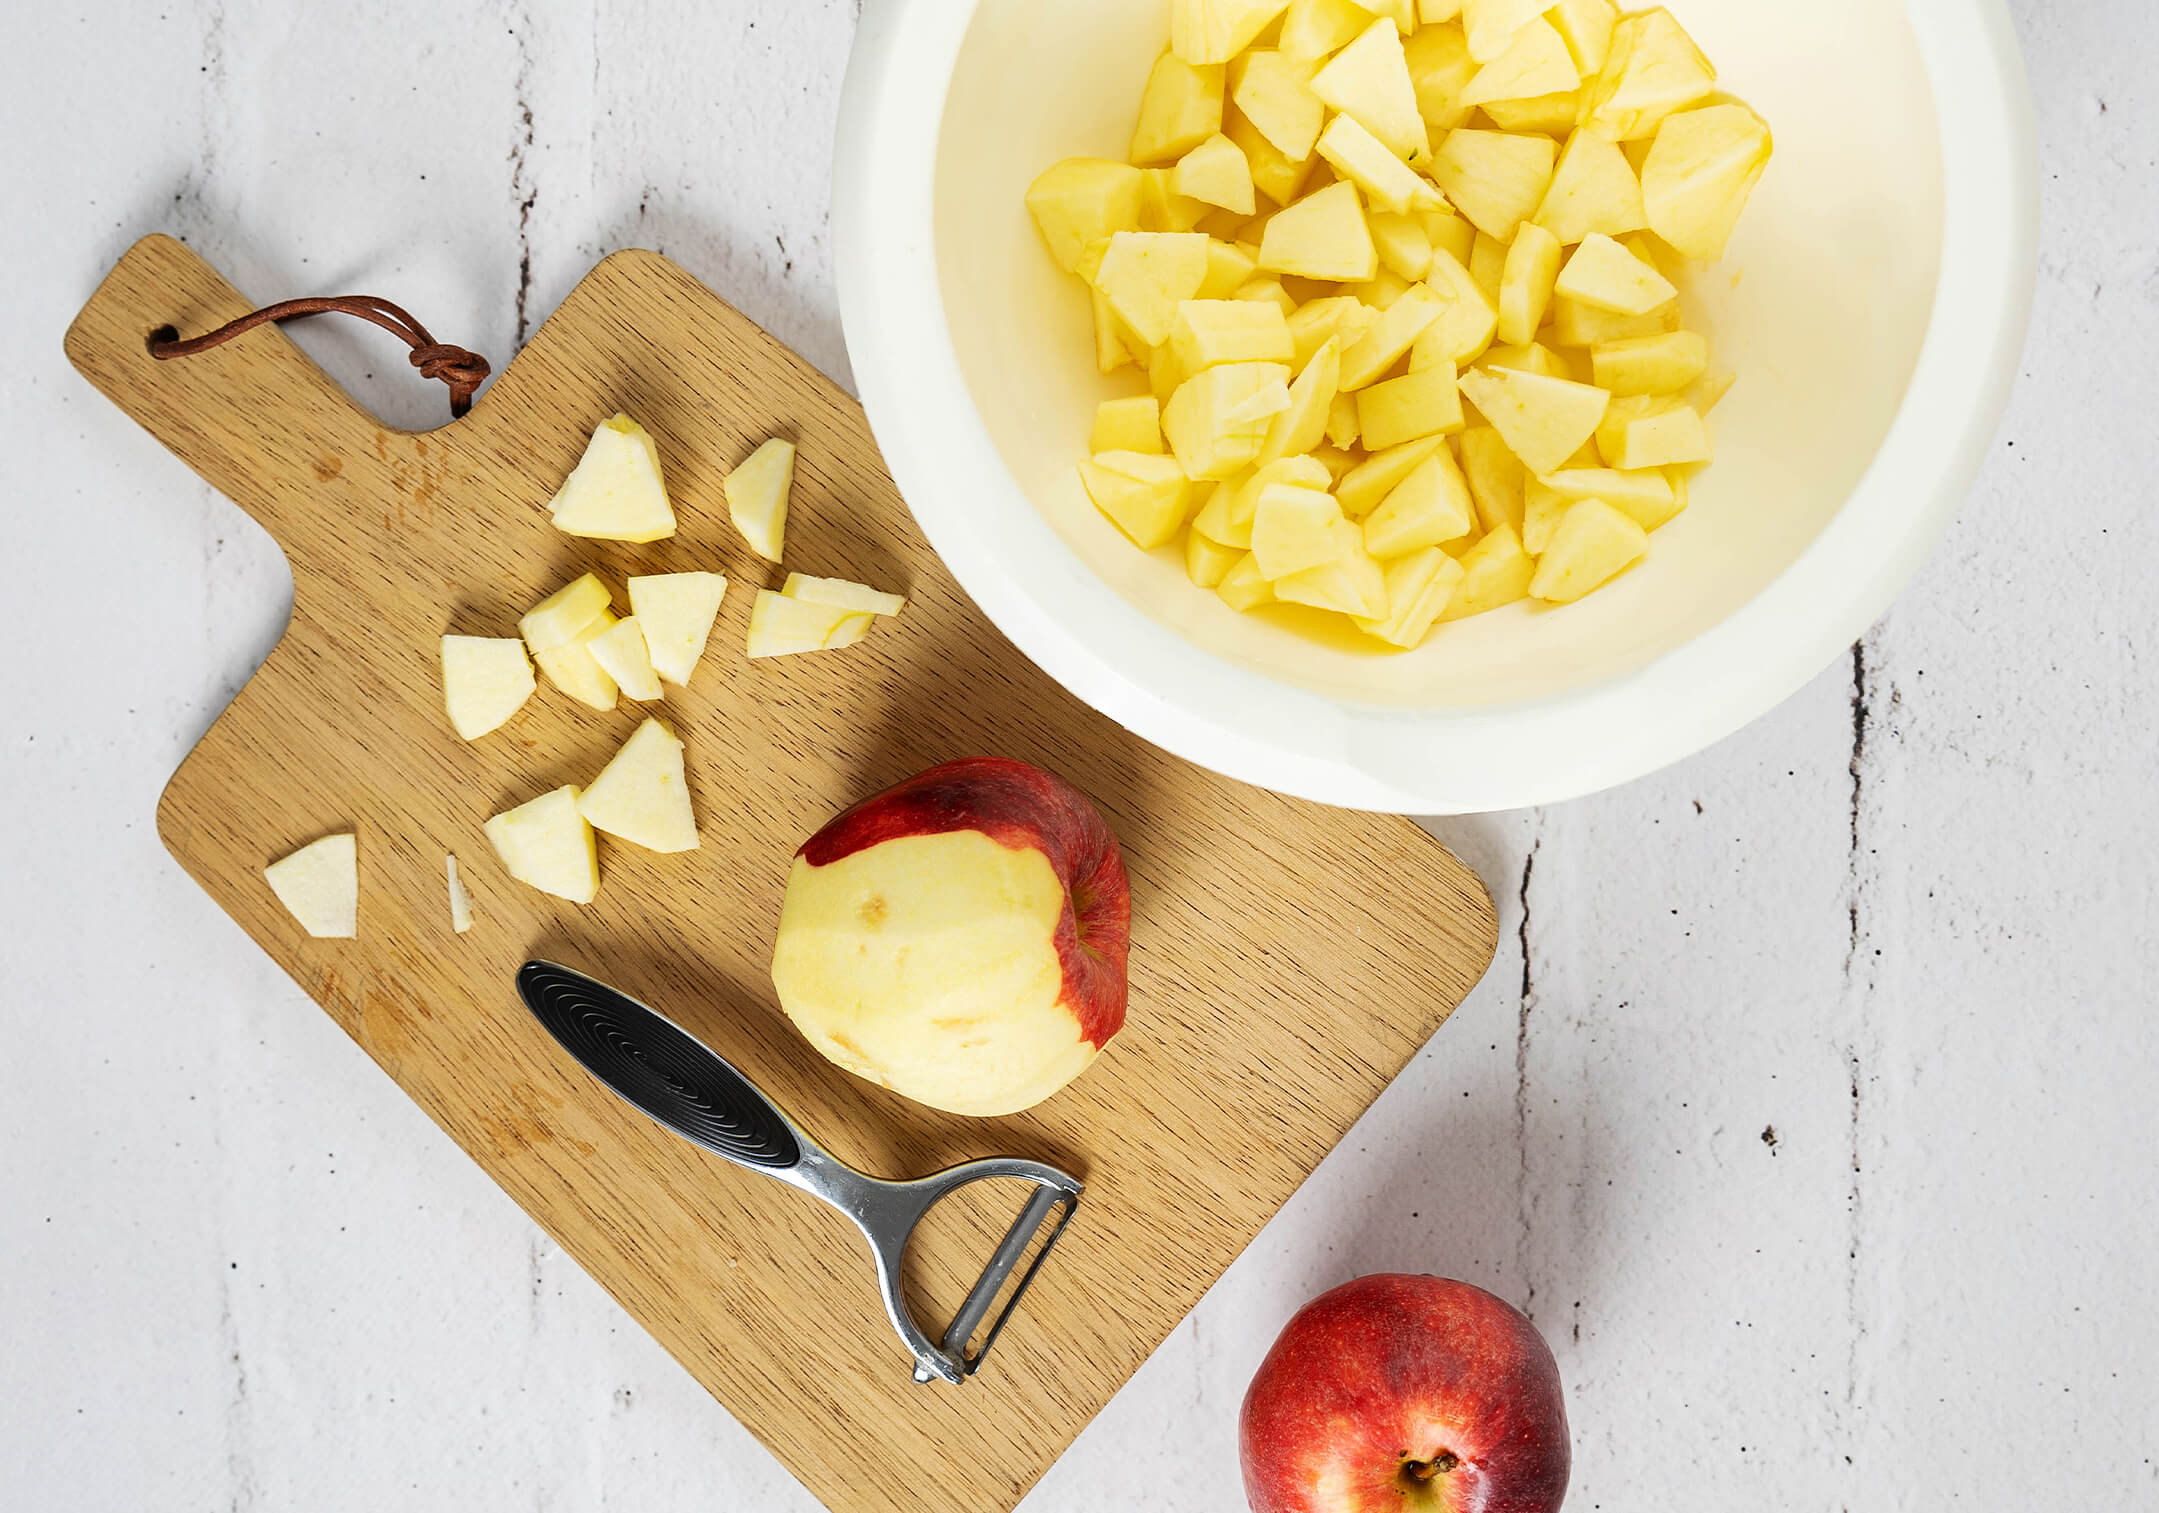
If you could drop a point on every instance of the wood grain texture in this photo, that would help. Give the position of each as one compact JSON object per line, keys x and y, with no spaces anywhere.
{"x":1273,"y":994}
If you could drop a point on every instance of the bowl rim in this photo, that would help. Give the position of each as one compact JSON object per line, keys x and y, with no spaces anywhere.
{"x":1278,"y":735}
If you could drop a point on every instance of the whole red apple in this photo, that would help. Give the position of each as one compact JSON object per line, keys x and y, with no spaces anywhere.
{"x":960,"y":938}
{"x":1401,"y":1394}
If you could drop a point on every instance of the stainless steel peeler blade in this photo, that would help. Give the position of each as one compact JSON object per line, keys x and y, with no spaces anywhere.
{"x":673,"y":1077}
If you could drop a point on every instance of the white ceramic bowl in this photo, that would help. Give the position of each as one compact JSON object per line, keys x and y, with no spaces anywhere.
{"x":1873,"y":303}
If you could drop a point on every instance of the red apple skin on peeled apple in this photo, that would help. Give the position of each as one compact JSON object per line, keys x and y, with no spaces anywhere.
{"x":1400,"y":1394}
{"x":960,"y":938}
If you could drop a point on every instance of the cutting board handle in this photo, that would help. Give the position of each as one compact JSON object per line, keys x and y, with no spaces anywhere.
{"x":256,"y":417}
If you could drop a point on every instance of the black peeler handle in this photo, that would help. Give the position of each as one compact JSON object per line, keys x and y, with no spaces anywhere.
{"x":659,"y":1068}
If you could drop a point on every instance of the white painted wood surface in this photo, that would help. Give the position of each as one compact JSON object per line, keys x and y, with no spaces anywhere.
{"x":1804,"y":1107}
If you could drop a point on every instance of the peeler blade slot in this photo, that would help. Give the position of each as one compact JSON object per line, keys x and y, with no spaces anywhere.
{"x":1002,"y":1264}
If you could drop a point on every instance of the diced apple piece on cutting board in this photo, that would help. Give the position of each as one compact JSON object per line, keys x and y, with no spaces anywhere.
{"x":623,"y":655}
{"x":319,"y":885}
{"x":676,"y":611}
{"x":485,"y":680}
{"x":840,"y":593}
{"x":757,"y":494}
{"x":460,"y":898}
{"x":616,"y":492}
{"x":563,"y":615}
{"x":546,"y":844}
{"x":782,"y":627}
{"x":642,"y":796}
{"x":576,"y":671}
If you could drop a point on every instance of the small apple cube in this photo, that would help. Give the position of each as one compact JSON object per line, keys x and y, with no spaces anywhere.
{"x":546,"y":844}
{"x":1450,"y":234}
{"x":1495,"y":179}
{"x":1274,"y":91}
{"x":1265,"y":289}
{"x":576,"y":671}
{"x":1647,"y":496}
{"x":615,"y":493}
{"x":1227,"y":515}
{"x":1593,"y":545}
{"x":1429,"y":11}
{"x":1587,"y":27}
{"x":1403,"y":13}
{"x":1146,"y":275}
{"x":1369,"y":81}
{"x":1303,"y":425}
{"x":1466,"y":327}
{"x":1662,"y":364}
{"x":1181,"y":109}
{"x":1314,"y":28}
{"x":1576,"y":324}
{"x":1418,"y":585}
{"x":757,"y":493}
{"x":1162,"y":208}
{"x":1497,"y":480}
{"x":1405,"y":247}
{"x":1208,"y":442}
{"x":1491,"y":25}
{"x":1606,"y":275}
{"x":785,"y":627}
{"x":1495,"y":572}
{"x":1293,"y":529}
{"x":1217,"y":173}
{"x":1535,"y":63}
{"x":676,"y":611}
{"x":1322,"y":236}
{"x":319,"y":885}
{"x":558,"y":619}
{"x":1113,"y":340}
{"x":1430,"y":506}
{"x":1215,"y":31}
{"x":1552,"y":115}
{"x":1342,"y":421}
{"x":1349,"y":583}
{"x":460,"y":897}
{"x":623,"y":656}
{"x":1699,"y":174}
{"x":1144,"y":495}
{"x":641,"y":795}
{"x":1165,"y":375}
{"x":1542,"y":507}
{"x":1244,"y":587}
{"x":1207,"y":562}
{"x":1653,"y":431}
{"x":1531,"y":357}
{"x":1127,"y":425}
{"x":1488,"y":265}
{"x":485,"y":680}
{"x":1229,"y":269}
{"x":1083,"y":200}
{"x":843,"y":593}
{"x":1208,"y":332}
{"x":1425,"y":403}
{"x":1526,"y":282}
{"x":1544,"y":421}
{"x":1361,"y":158}
{"x":1342,"y":318}
{"x":1652,"y":69}
{"x":1278,"y":177}
{"x":1440,"y":68}
{"x":1363,"y":488}
{"x":1393,"y":334}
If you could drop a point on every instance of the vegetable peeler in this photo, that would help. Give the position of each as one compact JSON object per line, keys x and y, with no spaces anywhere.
{"x":672,"y":1076}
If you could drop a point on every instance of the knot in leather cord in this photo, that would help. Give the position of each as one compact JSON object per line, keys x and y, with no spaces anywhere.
{"x":462,"y":370}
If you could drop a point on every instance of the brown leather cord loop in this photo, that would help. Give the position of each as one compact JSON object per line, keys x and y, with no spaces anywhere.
{"x":463,"y":371}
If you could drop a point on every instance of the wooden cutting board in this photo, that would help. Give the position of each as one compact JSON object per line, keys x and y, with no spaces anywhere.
{"x":1287,"y":959}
